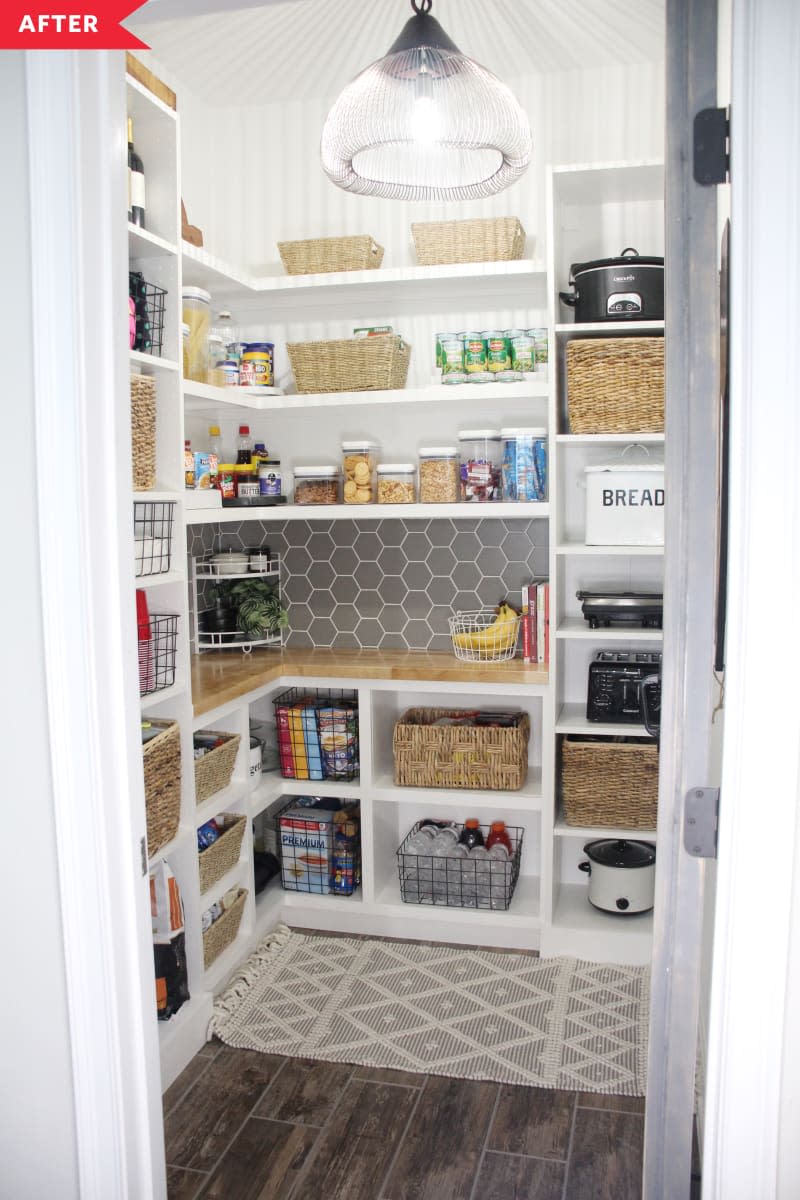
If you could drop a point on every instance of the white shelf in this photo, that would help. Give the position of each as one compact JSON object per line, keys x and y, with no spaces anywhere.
{"x":607,"y":328}
{"x":614,"y":182}
{"x":225,"y":800}
{"x":166,"y":694}
{"x":529,"y":797}
{"x":513,"y":281}
{"x":523,"y":911}
{"x":140,"y":99}
{"x":152,"y":362}
{"x":174,"y":575}
{"x":272,"y":786}
{"x":576,"y":627}
{"x":581,"y":930}
{"x":579,"y":548}
{"x":143,"y":244}
{"x":610,"y":439}
{"x":200,"y":398}
{"x":572,"y":719}
{"x":562,"y":829}
{"x":356,"y":512}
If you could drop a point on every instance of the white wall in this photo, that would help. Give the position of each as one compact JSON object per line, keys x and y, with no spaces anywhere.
{"x":252,"y":176}
{"x":38,"y":1149}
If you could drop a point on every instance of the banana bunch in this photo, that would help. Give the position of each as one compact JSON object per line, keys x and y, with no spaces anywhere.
{"x":496,"y":638}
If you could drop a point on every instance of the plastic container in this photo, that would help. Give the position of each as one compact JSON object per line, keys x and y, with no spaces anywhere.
{"x":359,"y":459}
{"x":471,"y":835}
{"x":215,"y":443}
{"x":316,"y":485}
{"x":481,"y":458}
{"x":397,"y":483}
{"x":524,"y":464}
{"x":197,"y":315}
{"x":269,"y":477}
{"x":244,"y":447}
{"x":439,"y":481}
{"x":225,"y":329}
{"x":498,"y":836}
{"x":256,"y":368}
{"x":185,"y":331}
{"x":216,"y":356}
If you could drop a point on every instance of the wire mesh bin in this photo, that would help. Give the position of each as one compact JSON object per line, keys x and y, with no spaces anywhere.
{"x":450,"y":875}
{"x":320,"y":845}
{"x":158,"y":641}
{"x":149,"y":302}
{"x":152,"y":532}
{"x":317,"y":733}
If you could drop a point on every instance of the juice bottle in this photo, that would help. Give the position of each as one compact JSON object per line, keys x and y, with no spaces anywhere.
{"x":471,"y":834}
{"x":498,"y":834}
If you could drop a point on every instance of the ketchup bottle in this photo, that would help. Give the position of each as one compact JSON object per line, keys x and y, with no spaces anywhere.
{"x":499,"y":833}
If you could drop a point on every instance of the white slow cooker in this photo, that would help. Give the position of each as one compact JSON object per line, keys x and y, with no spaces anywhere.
{"x":621,"y":874}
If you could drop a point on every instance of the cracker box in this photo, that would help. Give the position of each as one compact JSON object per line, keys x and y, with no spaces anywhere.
{"x":306,"y":840}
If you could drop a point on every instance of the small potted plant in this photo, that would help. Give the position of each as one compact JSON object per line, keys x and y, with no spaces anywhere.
{"x":259,"y":613}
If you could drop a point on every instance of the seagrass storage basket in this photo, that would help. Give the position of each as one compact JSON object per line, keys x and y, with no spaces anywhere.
{"x":161,"y":758}
{"x":143,"y":432}
{"x":318,"y":256}
{"x":213,"y":771}
{"x":351,"y":364}
{"x":220,"y":935}
{"x":459,"y":756}
{"x":615,"y":385}
{"x":222,"y":854}
{"x":486,"y":239}
{"x":610,"y":782}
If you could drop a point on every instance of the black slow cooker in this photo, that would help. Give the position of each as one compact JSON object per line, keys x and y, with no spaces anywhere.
{"x":627,"y":288}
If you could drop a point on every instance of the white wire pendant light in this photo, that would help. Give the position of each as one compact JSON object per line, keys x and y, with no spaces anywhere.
{"x":425,"y":123}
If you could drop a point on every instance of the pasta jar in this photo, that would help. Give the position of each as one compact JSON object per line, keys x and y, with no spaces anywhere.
{"x":396,"y":483}
{"x":316,"y":485}
{"x":481,"y":458}
{"x":359,"y":460}
{"x":216,"y":355}
{"x":438,"y":475}
{"x":197,"y":315}
{"x":524,"y":464}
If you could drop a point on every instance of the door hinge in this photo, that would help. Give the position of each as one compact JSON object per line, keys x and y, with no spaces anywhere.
{"x":700,"y":821}
{"x":712,"y":130}
{"x":143,"y":851}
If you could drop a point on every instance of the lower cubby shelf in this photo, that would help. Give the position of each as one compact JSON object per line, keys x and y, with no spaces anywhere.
{"x":579,"y":929}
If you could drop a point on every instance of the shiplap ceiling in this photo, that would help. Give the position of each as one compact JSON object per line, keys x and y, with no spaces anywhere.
{"x":255,"y":52}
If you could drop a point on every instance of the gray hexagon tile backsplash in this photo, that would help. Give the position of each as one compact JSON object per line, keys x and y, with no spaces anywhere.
{"x":389,"y":583}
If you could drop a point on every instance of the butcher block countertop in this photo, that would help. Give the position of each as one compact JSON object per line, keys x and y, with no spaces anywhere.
{"x":220,"y":676}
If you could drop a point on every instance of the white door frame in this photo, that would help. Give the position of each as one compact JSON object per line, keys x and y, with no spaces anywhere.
{"x":751,"y":1143}
{"x":78,"y":269}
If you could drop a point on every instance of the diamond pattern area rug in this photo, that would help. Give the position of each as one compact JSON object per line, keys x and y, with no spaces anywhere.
{"x":441,"y":1010}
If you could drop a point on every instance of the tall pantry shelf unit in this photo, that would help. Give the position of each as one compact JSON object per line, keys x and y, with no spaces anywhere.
{"x":594,"y":211}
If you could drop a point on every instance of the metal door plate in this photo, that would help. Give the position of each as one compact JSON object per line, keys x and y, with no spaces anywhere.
{"x":700,"y":814}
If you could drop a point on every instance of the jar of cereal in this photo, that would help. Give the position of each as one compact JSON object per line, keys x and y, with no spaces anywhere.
{"x":359,"y":459}
{"x":438,"y":475}
{"x":316,"y":485}
{"x":396,"y":483}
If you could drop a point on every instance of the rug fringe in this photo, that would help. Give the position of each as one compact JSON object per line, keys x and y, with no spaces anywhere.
{"x":228,"y":1001}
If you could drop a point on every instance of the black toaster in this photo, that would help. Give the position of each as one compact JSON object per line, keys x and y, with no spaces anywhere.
{"x":616,"y":682}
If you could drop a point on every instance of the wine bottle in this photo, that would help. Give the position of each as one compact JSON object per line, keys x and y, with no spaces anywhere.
{"x":136,"y":202}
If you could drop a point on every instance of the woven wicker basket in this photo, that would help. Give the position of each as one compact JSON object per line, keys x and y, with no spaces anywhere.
{"x":458,"y":756}
{"x":220,"y":935}
{"x":161,"y":757}
{"x":318,"y":256}
{"x":615,"y":385}
{"x":222,"y":854}
{"x":613,"y":784}
{"x":488,"y":239}
{"x":143,"y":432}
{"x":350,"y":365}
{"x":213,"y":771}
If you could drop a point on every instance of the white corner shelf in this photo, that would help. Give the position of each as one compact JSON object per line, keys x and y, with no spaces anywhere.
{"x":152,"y":362}
{"x":360,"y":512}
{"x":579,"y":929}
{"x":143,"y":244}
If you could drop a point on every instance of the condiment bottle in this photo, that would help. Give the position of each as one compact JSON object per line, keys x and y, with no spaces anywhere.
{"x":499,"y":834}
{"x":188,"y":464}
{"x":244,"y":453}
{"x":471,"y":834}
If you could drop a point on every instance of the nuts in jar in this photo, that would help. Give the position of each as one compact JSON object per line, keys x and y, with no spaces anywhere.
{"x":438,"y":475}
{"x":358,"y":464}
{"x":316,"y":485}
{"x":396,"y":483}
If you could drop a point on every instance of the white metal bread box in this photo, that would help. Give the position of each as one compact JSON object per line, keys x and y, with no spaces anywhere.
{"x":625,"y":505}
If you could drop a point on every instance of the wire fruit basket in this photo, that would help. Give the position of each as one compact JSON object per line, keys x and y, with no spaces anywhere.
{"x":485,"y":635}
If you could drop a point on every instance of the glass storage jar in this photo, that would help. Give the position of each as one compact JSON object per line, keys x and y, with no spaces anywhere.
{"x":524,"y":464}
{"x":316,"y":485}
{"x":197,"y":315}
{"x":216,"y":356}
{"x":359,"y":459}
{"x":481,"y":458}
{"x":397,"y":483}
{"x":438,"y":475}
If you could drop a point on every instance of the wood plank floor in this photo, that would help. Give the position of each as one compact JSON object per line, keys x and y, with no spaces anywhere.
{"x":239,"y":1125}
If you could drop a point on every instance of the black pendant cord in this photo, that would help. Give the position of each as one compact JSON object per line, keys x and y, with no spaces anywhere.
{"x":421,"y":6}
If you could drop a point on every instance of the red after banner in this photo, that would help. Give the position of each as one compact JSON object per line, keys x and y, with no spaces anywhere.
{"x":92,"y":25}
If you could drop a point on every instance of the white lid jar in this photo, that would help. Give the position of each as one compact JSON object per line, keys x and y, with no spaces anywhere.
{"x":316,"y":485}
{"x":481,"y":456}
{"x":524,"y":469}
{"x":397,"y":483}
{"x":438,"y":475}
{"x":197,"y":315}
{"x":359,"y":459}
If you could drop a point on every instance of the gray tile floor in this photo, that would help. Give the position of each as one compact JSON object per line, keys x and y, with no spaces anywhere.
{"x":240,"y":1125}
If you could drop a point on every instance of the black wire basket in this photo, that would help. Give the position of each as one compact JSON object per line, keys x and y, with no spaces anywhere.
{"x":152,"y":531}
{"x":317,"y":733}
{"x":149,"y":302}
{"x":158,"y":640}
{"x":485,"y":883}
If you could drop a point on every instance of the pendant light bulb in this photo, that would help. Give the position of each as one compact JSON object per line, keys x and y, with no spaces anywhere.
{"x":425,"y":123}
